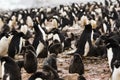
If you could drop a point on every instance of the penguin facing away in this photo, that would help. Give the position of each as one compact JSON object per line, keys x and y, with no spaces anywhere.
{"x":51,"y":61}
{"x":30,"y":60}
{"x":76,"y":65}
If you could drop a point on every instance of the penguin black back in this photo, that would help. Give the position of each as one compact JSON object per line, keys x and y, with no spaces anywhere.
{"x":14,"y":46}
{"x":30,"y":61}
{"x":76,"y":65}
{"x":84,"y":38}
{"x":56,"y":44}
{"x":51,"y":61}
{"x":11,"y":69}
{"x":51,"y":73}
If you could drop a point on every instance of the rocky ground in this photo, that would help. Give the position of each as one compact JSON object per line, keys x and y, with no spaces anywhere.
{"x":96,"y":68}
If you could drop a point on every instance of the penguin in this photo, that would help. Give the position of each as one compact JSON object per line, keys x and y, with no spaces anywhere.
{"x":48,"y":73}
{"x":10,"y":70}
{"x":5,"y":39}
{"x":39,"y":42}
{"x":30,"y":60}
{"x":76,"y":65}
{"x":67,"y":43}
{"x":51,"y":73}
{"x":111,"y":41}
{"x":16,"y":44}
{"x":113,"y":57}
{"x":84,"y":43}
{"x":55,"y":44}
{"x":51,"y":61}
{"x":58,"y":37}
{"x":106,"y":3}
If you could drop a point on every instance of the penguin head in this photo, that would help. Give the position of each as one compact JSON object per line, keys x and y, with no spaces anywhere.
{"x":6,"y":59}
{"x":111,"y":43}
{"x":88,"y":27}
{"x":84,"y":21}
{"x":30,"y":54}
{"x":38,"y":76}
{"x":93,"y":23}
{"x":77,"y":58}
{"x":4,"y":34}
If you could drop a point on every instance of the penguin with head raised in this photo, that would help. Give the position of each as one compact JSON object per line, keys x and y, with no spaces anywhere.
{"x":85,"y":41}
{"x":39,"y":42}
{"x":10,"y":70}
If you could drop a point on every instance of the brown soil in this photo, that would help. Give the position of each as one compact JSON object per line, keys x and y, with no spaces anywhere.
{"x":96,"y":68}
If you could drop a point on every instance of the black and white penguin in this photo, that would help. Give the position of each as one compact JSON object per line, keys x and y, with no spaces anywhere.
{"x":111,"y":41}
{"x":85,"y":41}
{"x":55,"y":47}
{"x":10,"y":70}
{"x":58,"y":37}
{"x":4,"y":43}
{"x":16,"y":44}
{"x":39,"y":42}
{"x":113,"y":55}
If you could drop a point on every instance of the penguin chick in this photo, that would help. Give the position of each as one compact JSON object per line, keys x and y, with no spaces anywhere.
{"x":76,"y":65}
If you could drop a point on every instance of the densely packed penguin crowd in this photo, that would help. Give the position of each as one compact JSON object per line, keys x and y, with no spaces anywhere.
{"x":46,"y":32}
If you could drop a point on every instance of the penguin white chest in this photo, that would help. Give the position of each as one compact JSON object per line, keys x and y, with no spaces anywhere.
{"x":56,"y":37}
{"x":38,"y":79}
{"x":3,"y":68}
{"x":116,"y":74}
{"x":110,"y":56}
{"x":86,"y":49}
{"x":40,"y":48}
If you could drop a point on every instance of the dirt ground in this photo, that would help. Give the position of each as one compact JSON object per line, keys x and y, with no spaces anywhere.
{"x":96,"y":68}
